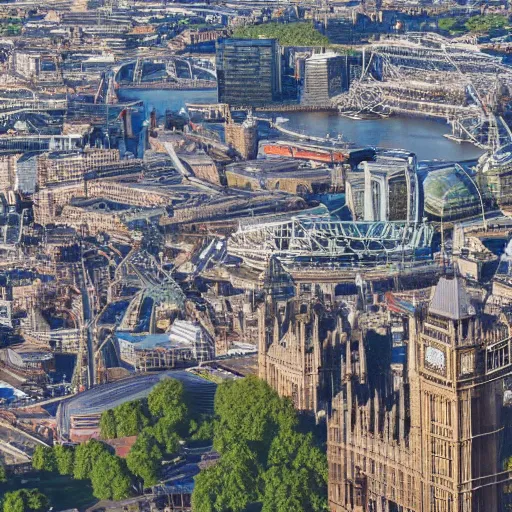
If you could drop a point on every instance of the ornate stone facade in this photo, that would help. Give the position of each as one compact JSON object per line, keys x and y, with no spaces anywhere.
{"x":300,"y":350}
{"x":421,"y":430}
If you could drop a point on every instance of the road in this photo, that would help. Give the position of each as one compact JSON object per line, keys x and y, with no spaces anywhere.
{"x":88,"y":323}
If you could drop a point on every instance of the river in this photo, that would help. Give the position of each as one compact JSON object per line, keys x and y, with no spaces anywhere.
{"x":162,"y":100}
{"x":421,"y":136}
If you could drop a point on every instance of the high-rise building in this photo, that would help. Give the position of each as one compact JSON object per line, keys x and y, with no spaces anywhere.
{"x":386,"y":189}
{"x":248,"y":71}
{"x":325,"y":76}
{"x":391,"y":188}
{"x":419,"y":423}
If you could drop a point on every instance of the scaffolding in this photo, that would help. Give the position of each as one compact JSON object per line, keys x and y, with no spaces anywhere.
{"x":322,"y":237}
{"x":428,"y":75}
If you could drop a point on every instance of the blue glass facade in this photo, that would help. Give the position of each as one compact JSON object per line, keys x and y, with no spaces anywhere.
{"x":248,"y":71}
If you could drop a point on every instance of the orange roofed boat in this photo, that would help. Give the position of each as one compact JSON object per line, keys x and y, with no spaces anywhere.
{"x":331,"y":155}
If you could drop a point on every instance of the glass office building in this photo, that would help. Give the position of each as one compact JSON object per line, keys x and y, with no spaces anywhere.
{"x":325,"y":77}
{"x":248,"y":71}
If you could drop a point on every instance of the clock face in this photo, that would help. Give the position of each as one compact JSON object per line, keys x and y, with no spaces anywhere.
{"x":435,"y":359}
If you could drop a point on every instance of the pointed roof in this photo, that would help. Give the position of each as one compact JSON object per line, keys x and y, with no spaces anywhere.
{"x":277,"y":281}
{"x":451,"y":300}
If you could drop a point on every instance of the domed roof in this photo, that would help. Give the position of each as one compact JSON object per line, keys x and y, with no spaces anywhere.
{"x":450,"y":194}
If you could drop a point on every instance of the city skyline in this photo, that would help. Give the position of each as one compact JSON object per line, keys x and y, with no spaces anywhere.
{"x":254,"y":257}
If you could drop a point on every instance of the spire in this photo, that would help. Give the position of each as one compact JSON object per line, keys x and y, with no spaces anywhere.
{"x":451,"y":300}
{"x":277,"y":281}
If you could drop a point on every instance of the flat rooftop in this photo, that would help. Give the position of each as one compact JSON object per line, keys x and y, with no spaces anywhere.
{"x":152,"y":341}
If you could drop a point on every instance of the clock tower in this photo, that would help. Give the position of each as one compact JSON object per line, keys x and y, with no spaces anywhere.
{"x":457,"y":409}
{"x":424,"y":434}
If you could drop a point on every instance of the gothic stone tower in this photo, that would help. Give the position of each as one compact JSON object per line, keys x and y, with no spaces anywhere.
{"x":432,"y":443}
{"x":299,"y":350}
{"x":459,"y":398}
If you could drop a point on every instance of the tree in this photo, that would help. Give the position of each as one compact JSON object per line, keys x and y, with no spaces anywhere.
{"x":166,"y":399}
{"x":231,"y":485}
{"x":3,"y":473}
{"x":242,"y":483}
{"x":108,"y":425}
{"x":86,"y":455}
{"x":25,"y":500}
{"x":13,"y":502}
{"x":144,"y":459}
{"x":206,"y":488}
{"x":44,"y":459}
{"x":452,"y":25}
{"x":202,"y":431}
{"x":296,"y":478}
{"x":110,"y":478}
{"x":282,"y":492}
{"x":131,"y":418}
{"x":65,"y":459}
{"x":486,"y":23}
{"x":169,"y":412}
{"x":290,"y":34}
{"x":164,"y":432}
{"x":263,"y":456}
{"x":250,"y":410}
{"x":36,"y":500}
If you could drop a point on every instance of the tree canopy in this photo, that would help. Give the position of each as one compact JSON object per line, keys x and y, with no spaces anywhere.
{"x":231,"y":485}
{"x":131,"y":418}
{"x":169,"y":411}
{"x":165,"y":398}
{"x":483,"y":24}
{"x":12,"y":28}
{"x":264,"y":458}
{"x":25,"y":500}
{"x":144,"y":459}
{"x":44,"y":459}
{"x":452,"y":25}
{"x":86,"y":455}
{"x":108,"y":429}
{"x":65,"y":459}
{"x":93,"y":460}
{"x":289,"y":34}
{"x":127,"y":419}
{"x":249,"y":410}
{"x":110,"y":478}
{"x":159,"y":423}
{"x":296,"y":475}
{"x":165,"y":433}
{"x":168,"y":419}
{"x":486,"y":22}
{"x":201,"y":430}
